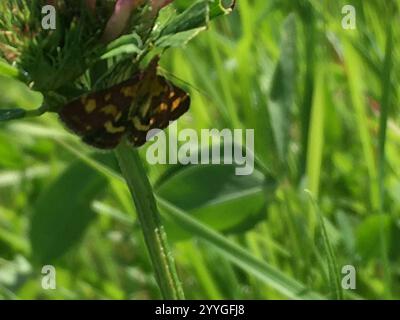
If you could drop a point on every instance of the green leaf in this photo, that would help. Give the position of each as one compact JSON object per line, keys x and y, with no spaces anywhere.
{"x":11,"y":243}
{"x":196,"y":16}
{"x":356,"y":83}
{"x":7,"y":70}
{"x":16,"y":94}
{"x":369,"y":237}
{"x":10,"y":154}
{"x":283,"y":88}
{"x":63,"y":212}
{"x":125,"y":49}
{"x":126,"y":44}
{"x":263,"y":271}
{"x":133,"y":38}
{"x":333,"y":269}
{"x":178,"y":40}
{"x":317,"y":133}
{"x":214,"y":195}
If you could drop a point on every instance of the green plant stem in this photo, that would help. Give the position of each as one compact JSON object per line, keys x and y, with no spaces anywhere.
{"x":310,"y":34}
{"x":149,"y":218}
{"x":36,"y":112}
{"x":385,"y":104}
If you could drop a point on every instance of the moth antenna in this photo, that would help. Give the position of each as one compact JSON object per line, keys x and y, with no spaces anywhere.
{"x":200,"y":91}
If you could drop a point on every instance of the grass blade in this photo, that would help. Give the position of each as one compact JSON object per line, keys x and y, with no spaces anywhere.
{"x":239,"y":256}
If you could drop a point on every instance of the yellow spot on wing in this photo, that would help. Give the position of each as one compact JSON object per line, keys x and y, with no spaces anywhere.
{"x":90,"y":105}
{"x":163,"y":106}
{"x":145,"y":107}
{"x":110,"y":109}
{"x":176,"y":103}
{"x":139,"y":126}
{"x":128,"y":91}
{"x":172,"y":94}
{"x":111,"y":129}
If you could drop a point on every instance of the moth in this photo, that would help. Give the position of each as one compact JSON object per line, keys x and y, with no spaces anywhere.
{"x":131,"y":108}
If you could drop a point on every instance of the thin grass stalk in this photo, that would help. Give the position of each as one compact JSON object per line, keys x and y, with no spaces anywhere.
{"x":385,"y":103}
{"x":153,"y":231}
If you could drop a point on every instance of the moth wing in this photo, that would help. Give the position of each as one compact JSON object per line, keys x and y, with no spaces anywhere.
{"x":166,"y":103}
{"x":103,"y":139}
{"x":100,"y":117}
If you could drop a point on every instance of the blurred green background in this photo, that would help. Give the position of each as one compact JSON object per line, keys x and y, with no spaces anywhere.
{"x":323,"y":102}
